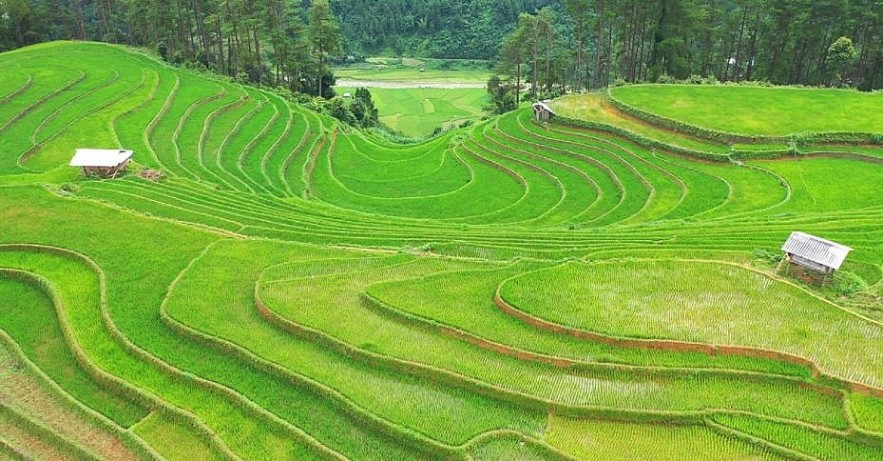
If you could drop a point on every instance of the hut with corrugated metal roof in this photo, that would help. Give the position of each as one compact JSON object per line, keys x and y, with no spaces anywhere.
{"x":813,"y":258}
{"x":543,"y":111}
{"x":106,"y":163}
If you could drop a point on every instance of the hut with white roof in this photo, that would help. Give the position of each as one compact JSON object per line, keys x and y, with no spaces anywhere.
{"x":107,"y":163}
{"x":804,"y":251}
{"x":542,"y":111}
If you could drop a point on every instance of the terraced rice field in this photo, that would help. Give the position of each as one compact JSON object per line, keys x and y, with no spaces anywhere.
{"x":514,"y":290}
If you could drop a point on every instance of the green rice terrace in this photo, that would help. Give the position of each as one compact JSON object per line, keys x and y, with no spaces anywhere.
{"x":603,"y":286}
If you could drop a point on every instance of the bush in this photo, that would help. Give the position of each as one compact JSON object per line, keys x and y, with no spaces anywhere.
{"x":767,"y":256}
{"x":338,"y":109}
{"x":694,"y":79}
{"x":665,"y":78}
{"x":70,"y":188}
{"x":848,"y":284}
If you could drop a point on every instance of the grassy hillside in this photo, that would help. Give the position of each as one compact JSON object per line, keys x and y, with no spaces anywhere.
{"x":296,"y":290}
{"x":758,"y":110}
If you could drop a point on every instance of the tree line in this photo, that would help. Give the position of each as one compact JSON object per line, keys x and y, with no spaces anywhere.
{"x":551,"y":44}
{"x":590,"y":44}
{"x":276,"y":42}
{"x":273,"y":42}
{"x":462,"y":29}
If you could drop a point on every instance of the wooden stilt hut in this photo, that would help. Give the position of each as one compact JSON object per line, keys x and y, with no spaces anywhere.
{"x":813,"y":258}
{"x":542,"y":111}
{"x":105,"y":163}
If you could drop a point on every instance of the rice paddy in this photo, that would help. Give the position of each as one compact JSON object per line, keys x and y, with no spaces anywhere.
{"x":417,"y":112}
{"x":588,"y":288}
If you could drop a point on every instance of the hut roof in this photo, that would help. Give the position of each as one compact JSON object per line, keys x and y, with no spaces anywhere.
{"x":103,"y":158}
{"x":816,"y":249}
{"x":542,"y":105}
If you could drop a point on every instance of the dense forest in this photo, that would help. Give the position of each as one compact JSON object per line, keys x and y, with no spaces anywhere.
{"x":779,"y":41}
{"x":554,"y":44}
{"x":590,"y":44}
{"x":274,"y":42}
{"x":466,"y":29}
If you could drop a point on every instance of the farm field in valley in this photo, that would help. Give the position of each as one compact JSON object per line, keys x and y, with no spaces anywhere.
{"x":416,"y":112}
{"x":596,"y":287}
{"x":414,"y":70}
{"x":415,"y":97}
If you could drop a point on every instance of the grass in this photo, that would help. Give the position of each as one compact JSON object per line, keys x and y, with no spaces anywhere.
{"x":804,"y":440}
{"x":295,"y":289}
{"x":586,"y":439}
{"x":31,"y":320}
{"x":757,"y":110}
{"x":417,"y":112}
{"x":663,"y":300}
{"x":594,"y":107}
{"x":165,"y":437}
{"x":415,"y":70}
{"x":26,"y":392}
{"x":465,"y":301}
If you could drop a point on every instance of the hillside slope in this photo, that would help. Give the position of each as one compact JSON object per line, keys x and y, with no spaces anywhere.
{"x":295,"y":289}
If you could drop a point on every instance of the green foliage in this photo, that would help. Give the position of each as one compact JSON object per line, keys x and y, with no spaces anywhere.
{"x":323,"y":34}
{"x":767,"y":256}
{"x":337,"y":108}
{"x":848,"y":284}
{"x":430,"y":28}
{"x":503,"y":96}
{"x":666,"y":79}
{"x":842,"y":54}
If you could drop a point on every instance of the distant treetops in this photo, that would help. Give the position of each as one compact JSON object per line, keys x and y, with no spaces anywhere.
{"x":584,"y":45}
{"x":270,"y":42}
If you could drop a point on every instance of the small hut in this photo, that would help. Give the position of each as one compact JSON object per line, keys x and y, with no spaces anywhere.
{"x":106,"y":163}
{"x":813,"y":258}
{"x":542,"y":111}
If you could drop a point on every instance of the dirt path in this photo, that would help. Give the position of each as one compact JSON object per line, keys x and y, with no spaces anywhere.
{"x":402,"y":84}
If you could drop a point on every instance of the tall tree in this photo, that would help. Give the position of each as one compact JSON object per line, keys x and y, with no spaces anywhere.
{"x":324,"y":37}
{"x":842,"y":55}
{"x":579,"y":11}
{"x":512,"y":59}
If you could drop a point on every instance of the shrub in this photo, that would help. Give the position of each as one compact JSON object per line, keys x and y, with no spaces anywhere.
{"x":767,"y":256}
{"x":69,"y":188}
{"x":695,"y":79}
{"x":848,"y":284}
{"x":665,"y":78}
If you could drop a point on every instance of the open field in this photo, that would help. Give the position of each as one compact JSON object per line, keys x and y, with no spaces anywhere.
{"x":416,"y":70}
{"x":415,"y":96}
{"x":417,"y":112}
{"x":758,"y":110}
{"x":597,"y":287}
